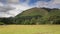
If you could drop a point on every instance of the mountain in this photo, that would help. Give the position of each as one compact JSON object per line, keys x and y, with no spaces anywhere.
{"x":35,"y":16}
{"x":40,"y":16}
{"x":39,"y":11}
{"x":33,"y":12}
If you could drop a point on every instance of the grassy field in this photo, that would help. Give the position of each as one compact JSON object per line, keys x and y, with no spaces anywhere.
{"x":30,"y":29}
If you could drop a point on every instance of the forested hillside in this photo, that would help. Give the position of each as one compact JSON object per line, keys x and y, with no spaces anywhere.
{"x":35,"y":16}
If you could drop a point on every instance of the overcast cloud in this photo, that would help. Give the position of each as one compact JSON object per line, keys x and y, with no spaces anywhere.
{"x":10,"y":8}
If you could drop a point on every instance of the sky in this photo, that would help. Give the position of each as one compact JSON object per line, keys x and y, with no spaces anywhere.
{"x":11,"y":8}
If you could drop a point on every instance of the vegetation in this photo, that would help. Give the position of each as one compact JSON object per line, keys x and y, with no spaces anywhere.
{"x":30,"y":29}
{"x":35,"y":16}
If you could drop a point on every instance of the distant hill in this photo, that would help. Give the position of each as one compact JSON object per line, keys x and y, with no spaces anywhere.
{"x":39,"y":11}
{"x":33,"y":12}
{"x":44,"y":15}
{"x":35,"y":16}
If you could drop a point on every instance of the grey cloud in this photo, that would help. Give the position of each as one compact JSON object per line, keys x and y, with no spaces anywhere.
{"x":12,"y":1}
{"x":4,"y":11}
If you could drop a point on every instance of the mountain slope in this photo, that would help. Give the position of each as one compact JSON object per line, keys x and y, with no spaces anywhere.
{"x":35,"y":16}
{"x":40,"y":16}
{"x":34,"y":12}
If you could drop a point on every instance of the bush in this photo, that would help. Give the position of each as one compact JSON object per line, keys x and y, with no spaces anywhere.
{"x":1,"y":23}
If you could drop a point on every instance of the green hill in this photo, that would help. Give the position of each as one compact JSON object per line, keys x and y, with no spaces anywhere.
{"x":39,"y":16}
{"x":33,"y":12}
{"x":35,"y":16}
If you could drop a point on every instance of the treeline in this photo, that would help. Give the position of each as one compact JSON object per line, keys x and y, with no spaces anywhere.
{"x":34,"y":20}
{"x":37,"y":16}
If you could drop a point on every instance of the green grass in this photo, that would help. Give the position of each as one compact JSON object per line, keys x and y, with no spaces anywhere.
{"x":30,"y":29}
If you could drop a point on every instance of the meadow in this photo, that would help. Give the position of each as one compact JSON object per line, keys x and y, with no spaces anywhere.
{"x":29,"y":29}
